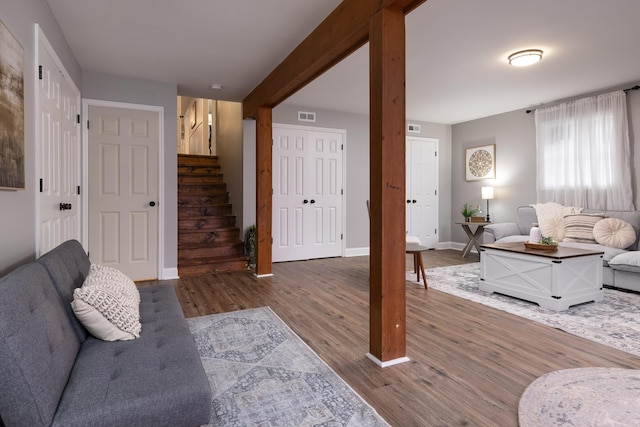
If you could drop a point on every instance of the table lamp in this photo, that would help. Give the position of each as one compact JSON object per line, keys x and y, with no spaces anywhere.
{"x":487,"y":194}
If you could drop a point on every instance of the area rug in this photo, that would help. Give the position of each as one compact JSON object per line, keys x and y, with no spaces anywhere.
{"x":582,"y":397}
{"x":614,"y":322}
{"x":262,"y":374}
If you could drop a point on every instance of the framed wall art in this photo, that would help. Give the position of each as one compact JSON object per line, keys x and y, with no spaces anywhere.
{"x":480,"y":162}
{"x":12,"y":174}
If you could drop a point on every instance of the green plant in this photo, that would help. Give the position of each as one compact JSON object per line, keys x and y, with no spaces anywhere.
{"x":468,"y":210}
{"x":547,"y":241}
{"x":250,"y":244}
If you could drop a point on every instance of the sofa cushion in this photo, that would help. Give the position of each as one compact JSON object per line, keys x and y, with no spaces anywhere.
{"x":156,"y":380}
{"x":38,"y":347}
{"x":614,"y":232}
{"x":579,"y":227}
{"x":106,"y":311}
{"x":68,"y":266}
{"x":609,"y":252}
{"x":628,"y":261}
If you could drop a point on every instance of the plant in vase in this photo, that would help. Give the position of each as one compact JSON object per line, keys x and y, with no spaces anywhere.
{"x":468,"y":211}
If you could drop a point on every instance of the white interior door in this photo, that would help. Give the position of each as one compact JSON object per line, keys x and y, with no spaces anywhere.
{"x":307,"y":193}
{"x":123,"y":190}
{"x":422,"y":189}
{"x":59,"y":159}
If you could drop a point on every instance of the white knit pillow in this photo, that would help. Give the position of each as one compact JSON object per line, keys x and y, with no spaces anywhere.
{"x":614,"y":232}
{"x":113,"y":278}
{"x":107,"y":305}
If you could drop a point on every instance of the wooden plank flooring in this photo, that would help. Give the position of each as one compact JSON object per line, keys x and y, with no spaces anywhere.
{"x":469,"y":363}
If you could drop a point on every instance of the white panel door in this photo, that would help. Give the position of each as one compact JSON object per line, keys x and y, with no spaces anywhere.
{"x":123,"y":190}
{"x":422,"y":190}
{"x":58,"y":156}
{"x":307,"y":193}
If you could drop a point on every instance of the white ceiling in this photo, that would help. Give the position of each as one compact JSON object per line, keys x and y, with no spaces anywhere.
{"x":457,"y":50}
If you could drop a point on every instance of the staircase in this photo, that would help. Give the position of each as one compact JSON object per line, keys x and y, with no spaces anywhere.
{"x":208,"y":239}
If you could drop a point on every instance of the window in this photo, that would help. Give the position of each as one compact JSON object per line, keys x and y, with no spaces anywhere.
{"x":584,"y":154}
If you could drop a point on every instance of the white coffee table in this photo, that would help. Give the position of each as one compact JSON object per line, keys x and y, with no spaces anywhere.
{"x":554,"y":280}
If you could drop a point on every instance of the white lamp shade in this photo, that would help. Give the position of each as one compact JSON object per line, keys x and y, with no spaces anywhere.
{"x":487,"y":193}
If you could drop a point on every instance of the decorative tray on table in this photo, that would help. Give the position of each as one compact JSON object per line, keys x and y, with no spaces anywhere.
{"x":541,"y":247}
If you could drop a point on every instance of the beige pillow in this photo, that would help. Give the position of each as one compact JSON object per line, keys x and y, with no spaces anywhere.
{"x":579,"y":228}
{"x":614,"y":232}
{"x":113,"y":278}
{"x":108,"y":305}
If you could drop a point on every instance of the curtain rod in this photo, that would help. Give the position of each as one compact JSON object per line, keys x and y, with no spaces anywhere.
{"x":636,"y":87}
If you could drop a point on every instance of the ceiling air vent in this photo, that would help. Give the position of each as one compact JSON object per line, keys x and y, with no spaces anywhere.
{"x":306,"y":116}
{"x":413,"y":128}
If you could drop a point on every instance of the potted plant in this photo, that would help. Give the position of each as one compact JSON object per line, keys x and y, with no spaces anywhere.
{"x":250,"y":244}
{"x":468,"y":211}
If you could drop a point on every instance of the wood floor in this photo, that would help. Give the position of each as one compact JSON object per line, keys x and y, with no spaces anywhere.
{"x":469,"y":363}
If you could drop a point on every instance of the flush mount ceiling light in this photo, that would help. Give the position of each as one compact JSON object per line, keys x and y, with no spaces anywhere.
{"x":216,"y":86}
{"x":525,"y":57}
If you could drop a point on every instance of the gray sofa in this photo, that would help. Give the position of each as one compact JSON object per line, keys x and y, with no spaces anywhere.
{"x":53,"y":373}
{"x":623,"y":274}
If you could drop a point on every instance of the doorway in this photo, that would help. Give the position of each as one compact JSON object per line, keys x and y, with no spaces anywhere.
{"x":124,"y":195}
{"x":307,"y":192}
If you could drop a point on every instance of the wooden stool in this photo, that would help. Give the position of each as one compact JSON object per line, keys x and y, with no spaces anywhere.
{"x":418,"y":266}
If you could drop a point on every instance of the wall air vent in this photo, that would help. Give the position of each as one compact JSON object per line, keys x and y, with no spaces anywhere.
{"x":306,"y":116}
{"x":413,"y":128}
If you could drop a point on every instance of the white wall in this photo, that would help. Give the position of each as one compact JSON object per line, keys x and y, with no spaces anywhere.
{"x":229,"y":146}
{"x":357,"y":166}
{"x":18,"y":208}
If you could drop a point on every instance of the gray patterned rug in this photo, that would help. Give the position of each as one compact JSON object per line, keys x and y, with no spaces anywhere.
{"x":614,"y":322}
{"x":262,"y":374}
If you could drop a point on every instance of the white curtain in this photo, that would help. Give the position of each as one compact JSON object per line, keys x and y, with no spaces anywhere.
{"x":583,"y":153}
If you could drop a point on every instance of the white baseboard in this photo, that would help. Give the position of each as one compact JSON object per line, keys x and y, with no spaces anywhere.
{"x":349,"y":252}
{"x":169,"y":273}
{"x":388,"y":362}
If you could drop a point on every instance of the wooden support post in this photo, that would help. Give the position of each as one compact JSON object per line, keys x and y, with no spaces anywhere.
{"x":264,"y":191}
{"x":387,"y":188}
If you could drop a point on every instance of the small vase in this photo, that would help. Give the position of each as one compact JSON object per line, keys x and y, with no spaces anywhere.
{"x":467,"y":219}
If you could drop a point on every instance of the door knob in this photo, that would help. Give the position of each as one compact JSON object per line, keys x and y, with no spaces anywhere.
{"x":305,"y":201}
{"x":313,"y":201}
{"x":408,"y":201}
{"x":414,"y":201}
{"x":152,"y":203}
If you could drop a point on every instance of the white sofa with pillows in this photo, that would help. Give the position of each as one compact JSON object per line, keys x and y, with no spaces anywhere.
{"x":616,"y":233}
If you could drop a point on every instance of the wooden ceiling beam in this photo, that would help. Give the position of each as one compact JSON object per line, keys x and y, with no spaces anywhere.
{"x":340,"y":34}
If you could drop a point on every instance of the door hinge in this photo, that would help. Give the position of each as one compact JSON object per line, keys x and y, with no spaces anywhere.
{"x":435,"y":154}
{"x":435,"y":192}
{"x":87,"y":124}
{"x":41,"y":184}
{"x":342,"y":192}
{"x":341,"y":236}
{"x":78,"y":117}
{"x":40,"y":72}
{"x":78,"y":190}
{"x":342,"y":147}
{"x":435,"y":231}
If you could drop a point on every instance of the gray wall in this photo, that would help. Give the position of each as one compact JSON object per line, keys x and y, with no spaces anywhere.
{"x":229,"y":150}
{"x":515,"y":183}
{"x":106,"y":87}
{"x":357,"y":167}
{"x":18,"y":208}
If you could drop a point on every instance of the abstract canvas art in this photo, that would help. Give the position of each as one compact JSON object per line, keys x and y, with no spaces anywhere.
{"x":480,"y":163}
{"x":12,"y":174}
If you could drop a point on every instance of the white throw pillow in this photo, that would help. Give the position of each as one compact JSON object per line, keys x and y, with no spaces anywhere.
{"x":113,"y":278}
{"x":579,"y":228}
{"x":108,"y":304}
{"x":614,"y":232}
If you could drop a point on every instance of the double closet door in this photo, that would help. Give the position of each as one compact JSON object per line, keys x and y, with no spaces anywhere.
{"x":422,"y":189}
{"x":307,"y":192}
